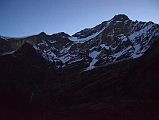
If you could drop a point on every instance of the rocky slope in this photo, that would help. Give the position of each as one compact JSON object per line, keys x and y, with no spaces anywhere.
{"x":35,"y":87}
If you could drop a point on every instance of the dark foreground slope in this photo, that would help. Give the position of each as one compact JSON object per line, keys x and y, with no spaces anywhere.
{"x":30,"y":88}
{"x":21,"y":73}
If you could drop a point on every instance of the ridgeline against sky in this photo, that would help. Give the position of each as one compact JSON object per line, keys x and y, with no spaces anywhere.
{"x":27,"y":17}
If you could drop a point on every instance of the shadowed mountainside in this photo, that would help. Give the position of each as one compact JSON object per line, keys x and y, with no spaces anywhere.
{"x":29,"y":85}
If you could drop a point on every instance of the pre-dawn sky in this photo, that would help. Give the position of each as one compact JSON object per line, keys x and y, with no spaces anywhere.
{"x":27,"y":17}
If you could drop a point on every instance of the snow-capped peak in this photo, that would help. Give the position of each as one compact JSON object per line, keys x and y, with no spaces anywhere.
{"x":111,"y":41}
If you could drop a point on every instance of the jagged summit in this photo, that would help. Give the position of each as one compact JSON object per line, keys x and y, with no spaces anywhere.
{"x":120,"y":17}
{"x":42,"y":34}
{"x":63,"y":34}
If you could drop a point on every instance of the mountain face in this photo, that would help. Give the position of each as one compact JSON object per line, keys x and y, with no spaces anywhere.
{"x":111,"y":41}
{"x":111,"y":67}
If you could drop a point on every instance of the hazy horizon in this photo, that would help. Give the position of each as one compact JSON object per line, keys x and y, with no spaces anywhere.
{"x":22,"y":18}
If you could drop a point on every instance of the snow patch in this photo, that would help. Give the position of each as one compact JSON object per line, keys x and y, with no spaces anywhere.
{"x":116,"y":55}
{"x":141,"y":32}
{"x":8,"y":53}
{"x":78,"y":60}
{"x":105,"y":46}
{"x":65,"y":49}
{"x":83,"y":40}
{"x":65,"y":58}
{"x":94,"y":56}
{"x":123,"y":38}
{"x":15,"y":38}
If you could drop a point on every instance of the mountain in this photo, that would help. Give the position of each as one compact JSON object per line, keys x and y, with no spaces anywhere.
{"x":111,"y":41}
{"x":106,"y":72}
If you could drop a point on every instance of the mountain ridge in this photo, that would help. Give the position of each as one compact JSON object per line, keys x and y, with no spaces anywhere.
{"x":112,"y":40}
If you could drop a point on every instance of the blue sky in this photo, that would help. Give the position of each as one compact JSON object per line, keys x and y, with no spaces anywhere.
{"x":27,"y":17}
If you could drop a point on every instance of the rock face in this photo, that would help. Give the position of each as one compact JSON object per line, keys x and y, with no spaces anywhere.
{"x":111,"y":67}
